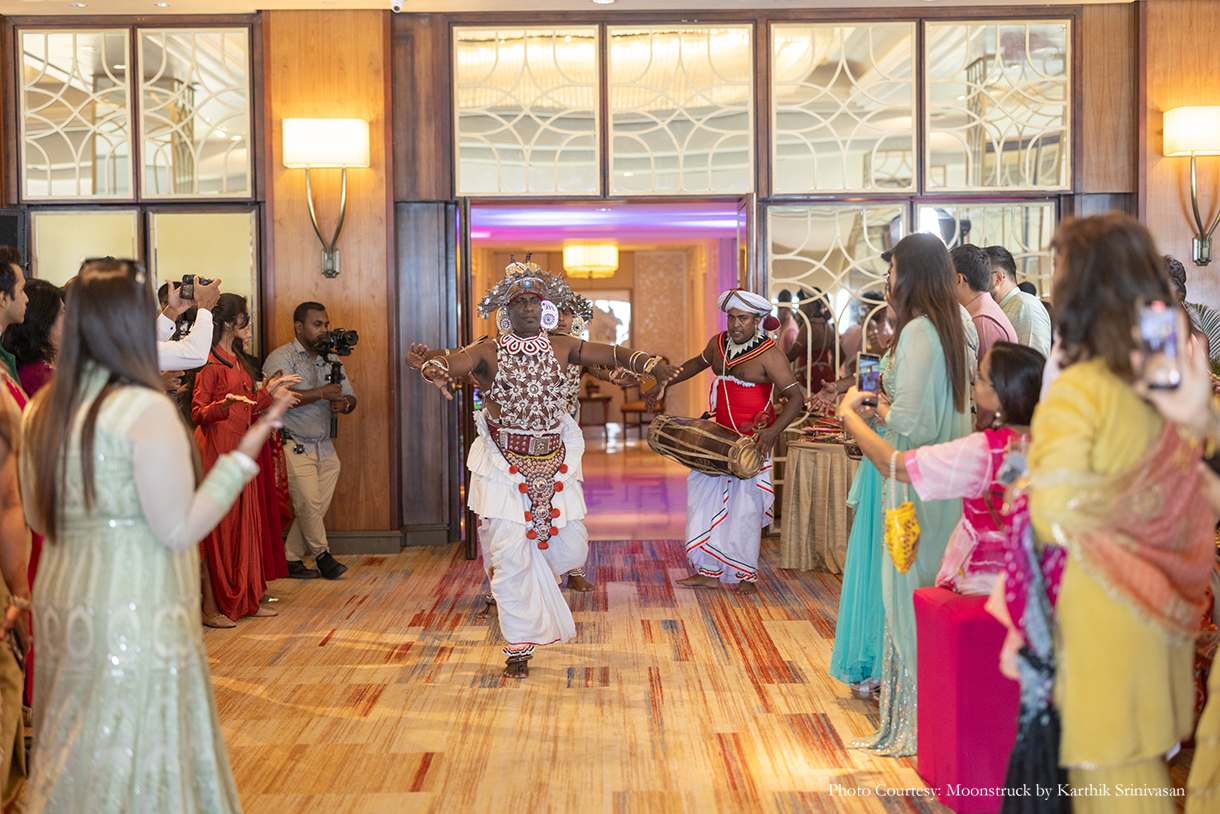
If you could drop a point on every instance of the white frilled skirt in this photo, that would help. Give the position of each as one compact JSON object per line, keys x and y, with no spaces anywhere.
{"x":725,"y":517}
{"x":529,"y":604}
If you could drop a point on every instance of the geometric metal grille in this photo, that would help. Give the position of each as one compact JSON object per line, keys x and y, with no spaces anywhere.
{"x":195,"y":113}
{"x":1024,"y":228}
{"x":526,"y":104}
{"x":842,"y":103}
{"x":999,"y":105}
{"x":681,"y":110}
{"x":75,"y":114}
{"x":832,"y":252}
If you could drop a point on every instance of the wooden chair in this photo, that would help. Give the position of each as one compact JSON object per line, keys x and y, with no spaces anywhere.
{"x":635,"y":406}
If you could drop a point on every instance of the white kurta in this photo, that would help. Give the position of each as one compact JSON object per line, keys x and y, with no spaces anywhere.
{"x":530,"y":606}
{"x":725,"y":517}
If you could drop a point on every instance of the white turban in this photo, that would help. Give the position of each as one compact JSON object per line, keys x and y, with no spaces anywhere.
{"x":745,"y":300}
{"x":750,"y":302}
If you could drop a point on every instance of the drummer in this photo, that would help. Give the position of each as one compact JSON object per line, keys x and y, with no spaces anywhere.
{"x":725,"y":515}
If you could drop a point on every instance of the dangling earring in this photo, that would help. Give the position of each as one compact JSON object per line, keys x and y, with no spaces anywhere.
{"x":503,"y":322}
{"x":997,"y":421}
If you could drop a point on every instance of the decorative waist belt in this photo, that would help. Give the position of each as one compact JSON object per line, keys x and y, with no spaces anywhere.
{"x":538,"y":459}
{"x":522,"y":443}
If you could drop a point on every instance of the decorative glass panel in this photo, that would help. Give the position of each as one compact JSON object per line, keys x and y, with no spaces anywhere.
{"x":842,"y":103}
{"x":75,"y":121}
{"x":831,"y":253}
{"x":232,"y":251}
{"x":1025,"y":229}
{"x":195,"y":113}
{"x":526,"y":108}
{"x":999,"y":105}
{"x":62,"y":240}
{"x":681,"y":110}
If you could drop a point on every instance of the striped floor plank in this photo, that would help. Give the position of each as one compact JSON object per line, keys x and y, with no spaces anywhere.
{"x":381,"y":692}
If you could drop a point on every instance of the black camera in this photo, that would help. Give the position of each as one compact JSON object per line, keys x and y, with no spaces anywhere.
{"x":339,"y":342}
{"x":187,"y":290}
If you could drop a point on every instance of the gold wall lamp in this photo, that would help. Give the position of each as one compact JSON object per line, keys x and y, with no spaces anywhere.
{"x":1195,"y":131}
{"x":321,"y":143}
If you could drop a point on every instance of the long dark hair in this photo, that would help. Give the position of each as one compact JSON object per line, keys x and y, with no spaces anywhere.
{"x":925,"y":286}
{"x":30,"y":341}
{"x":231,"y":311}
{"x":1016,"y":375}
{"x":1107,"y":263}
{"x":108,"y":322}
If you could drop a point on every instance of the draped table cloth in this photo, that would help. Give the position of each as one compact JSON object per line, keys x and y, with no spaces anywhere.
{"x":816,"y":521}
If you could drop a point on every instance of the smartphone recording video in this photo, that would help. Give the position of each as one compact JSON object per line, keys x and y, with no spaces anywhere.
{"x":1159,"y":332}
{"x":868,"y":376}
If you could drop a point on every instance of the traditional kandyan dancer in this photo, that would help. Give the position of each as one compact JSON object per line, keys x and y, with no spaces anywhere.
{"x":528,"y":498}
{"x":725,"y":514}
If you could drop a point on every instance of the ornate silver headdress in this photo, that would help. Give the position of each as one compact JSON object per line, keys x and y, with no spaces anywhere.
{"x":520,"y":278}
{"x":580,"y":307}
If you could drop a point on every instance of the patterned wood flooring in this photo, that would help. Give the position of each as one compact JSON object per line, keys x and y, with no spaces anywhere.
{"x":381,"y":692}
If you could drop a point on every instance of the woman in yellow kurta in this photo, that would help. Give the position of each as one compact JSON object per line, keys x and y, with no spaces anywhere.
{"x":1119,"y":488}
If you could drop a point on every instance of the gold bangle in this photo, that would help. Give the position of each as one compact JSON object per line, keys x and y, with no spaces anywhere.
{"x":650,"y":364}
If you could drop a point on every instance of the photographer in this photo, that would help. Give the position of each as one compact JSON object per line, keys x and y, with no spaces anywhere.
{"x":313,"y":467}
{"x":192,"y":350}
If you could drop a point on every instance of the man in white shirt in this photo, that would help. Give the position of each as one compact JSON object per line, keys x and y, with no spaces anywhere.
{"x":1026,"y":312}
{"x":192,"y":350}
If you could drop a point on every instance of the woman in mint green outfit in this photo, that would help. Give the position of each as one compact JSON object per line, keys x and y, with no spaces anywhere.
{"x":124,"y":716}
{"x":926,"y":381}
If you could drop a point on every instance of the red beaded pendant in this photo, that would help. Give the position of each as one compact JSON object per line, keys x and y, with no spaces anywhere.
{"x":512,"y":470}
{"x":558,"y":486}
{"x":529,"y":517}
{"x":522,"y":488}
{"x":543,"y":546}
{"x":531,"y":535}
{"x":554,"y":512}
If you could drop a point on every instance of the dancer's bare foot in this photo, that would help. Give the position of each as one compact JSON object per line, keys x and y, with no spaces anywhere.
{"x":517,"y":669}
{"x":746,"y":588}
{"x":578,"y":583}
{"x":699,"y":581}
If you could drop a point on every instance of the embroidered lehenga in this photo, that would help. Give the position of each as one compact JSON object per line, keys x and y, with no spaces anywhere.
{"x":916,"y":381}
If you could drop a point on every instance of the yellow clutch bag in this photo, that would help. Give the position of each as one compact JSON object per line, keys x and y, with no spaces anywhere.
{"x":901,"y":526}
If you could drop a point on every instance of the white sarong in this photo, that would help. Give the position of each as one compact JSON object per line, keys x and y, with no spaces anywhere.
{"x":530,"y":606}
{"x":725,"y":517}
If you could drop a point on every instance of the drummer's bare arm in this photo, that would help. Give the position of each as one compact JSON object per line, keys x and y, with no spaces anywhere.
{"x":690,"y":367}
{"x":779,"y":373}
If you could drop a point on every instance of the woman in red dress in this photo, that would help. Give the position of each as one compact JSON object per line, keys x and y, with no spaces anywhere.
{"x":224,"y":406}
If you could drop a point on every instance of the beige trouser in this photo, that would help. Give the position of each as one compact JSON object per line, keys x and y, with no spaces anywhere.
{"x":311,"y":482}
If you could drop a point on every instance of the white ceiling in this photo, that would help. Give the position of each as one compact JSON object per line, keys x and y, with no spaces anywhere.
{"x":66,"y":7}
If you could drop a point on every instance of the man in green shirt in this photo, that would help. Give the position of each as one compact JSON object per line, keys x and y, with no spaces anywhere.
{"x":12,"y":301}
{"x":1026,"y":312}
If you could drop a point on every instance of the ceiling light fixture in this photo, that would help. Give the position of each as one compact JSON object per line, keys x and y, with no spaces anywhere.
{"x":596,"y":262}
{"x":78,"y":5}
{"x":603,"y":2}
{"x":161,"y":5}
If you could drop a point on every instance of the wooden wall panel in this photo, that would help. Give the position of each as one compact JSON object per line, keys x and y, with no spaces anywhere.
{"x":1109,"y":83}
{"x":423,"y":165}
{"x":427,"y":289}
{"x":1180,"y":64}
{"x":334,"y":64}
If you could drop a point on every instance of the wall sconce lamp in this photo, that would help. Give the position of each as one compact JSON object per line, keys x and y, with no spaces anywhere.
{"x":317,"y":143}
{"x":1195,"y":131}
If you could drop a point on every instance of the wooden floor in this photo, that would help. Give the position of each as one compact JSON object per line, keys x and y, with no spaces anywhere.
{"x":381,"y":692}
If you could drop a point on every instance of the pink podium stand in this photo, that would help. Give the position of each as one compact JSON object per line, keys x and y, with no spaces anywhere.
{"x":967,"y":709}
